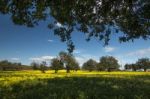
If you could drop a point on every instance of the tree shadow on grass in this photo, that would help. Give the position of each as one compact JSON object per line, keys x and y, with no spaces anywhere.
{"x":80,"y":88}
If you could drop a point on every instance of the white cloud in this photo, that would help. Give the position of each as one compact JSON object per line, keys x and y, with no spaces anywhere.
{"x":42,"y":58}
{"x":59,"y":24}
{"x":142,"y":53}
{"x":84,"y":57}
{"x":50,"y":40}
{"x":109,"y":49}
{"x":15,"y":59}
{"x":81,"y":60}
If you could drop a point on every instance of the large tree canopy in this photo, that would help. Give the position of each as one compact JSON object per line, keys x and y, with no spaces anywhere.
{"x":95,"y":18}
{"x":109,"y":62}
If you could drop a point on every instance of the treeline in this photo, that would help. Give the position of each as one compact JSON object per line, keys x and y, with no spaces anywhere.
{"x":6,"y":65}
{"x":142,"y":63}
{"x":63,"y":61}
{"x":106,"y":63}
{"x":68,"y":62}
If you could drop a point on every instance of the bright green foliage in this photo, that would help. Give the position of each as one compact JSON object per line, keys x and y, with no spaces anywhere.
{"x":109,"y":63}
{"x":90,"y":65}
{"x":56,"y":64}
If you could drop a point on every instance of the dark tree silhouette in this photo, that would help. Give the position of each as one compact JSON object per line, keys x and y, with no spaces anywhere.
{"x":109,"y":63}
{"x":56,"y":64}
{"x":90,"y":65}
{"x":68,"y":60}
{"x":43,"y":66}
{"x":143,"y":63}
{"x":35,"y":66}
{"x":95,"y":18}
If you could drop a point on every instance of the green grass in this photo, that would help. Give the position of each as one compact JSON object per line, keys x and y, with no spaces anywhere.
{"x":75,"y":85}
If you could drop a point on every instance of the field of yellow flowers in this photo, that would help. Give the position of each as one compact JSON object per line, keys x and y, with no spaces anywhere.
{"x":74,"y":85}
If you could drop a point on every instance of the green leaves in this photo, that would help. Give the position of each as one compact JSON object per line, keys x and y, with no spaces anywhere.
{"x":97,"y":18}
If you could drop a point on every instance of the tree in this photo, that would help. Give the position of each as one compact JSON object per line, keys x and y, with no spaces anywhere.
{"x":56,"y":64}
{"x":89,"y":65}
{"x":95,"y":18}
{"x":100,"y":67}
{"x":109,"y":62}
{"x":43,"y":66}
{"x":7,"y":65}
{"x":143,"y":63}
{"x":133,"y":66}
{"x":35,"y":66}
{"x":75,"y":65}
{"x":128,"y":66}
{"x":68,"y":60}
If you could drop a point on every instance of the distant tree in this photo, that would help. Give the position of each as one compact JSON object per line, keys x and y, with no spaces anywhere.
{"x":128,"y":66}
{"x":89,"y":65}
{"x":132,"y":66}
{"x":68,"y":60}
{"x":5,"y":65}
{"x":35,"y":66}
{"x":56,"y":64}
{"x":75,"y":65}
{"x":143,"y":63}
{"x":109,"y":62}
{"x":100,"y":67}
{"x":43,"y":66}
{"x":135,"y":67}
{"x":96,"y":18}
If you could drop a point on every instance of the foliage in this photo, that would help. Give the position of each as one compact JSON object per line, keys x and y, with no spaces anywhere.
{"x":134,"y":67}
{"x":144,"y":63}
{"x":100,"y":67}
{"x":75,"y":65}
{"x":43,"y":66}
{"x":109,"y":62}
{"x":69,"y":61}
{"x":35,"y":66}
{"x":90,"y":65}
{"x":95,"y":18}
{"x":6,"y":65}
{"x":56,"y":64}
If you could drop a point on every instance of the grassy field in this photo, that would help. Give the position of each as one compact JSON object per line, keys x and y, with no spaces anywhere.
{"x":75,"y":85}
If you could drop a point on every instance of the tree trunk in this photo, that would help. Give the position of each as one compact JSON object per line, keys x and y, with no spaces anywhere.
{"x":109,"y":70}
{"x":68,"y":71}
{"x":56,"y":71}
{"x":145,"y":69}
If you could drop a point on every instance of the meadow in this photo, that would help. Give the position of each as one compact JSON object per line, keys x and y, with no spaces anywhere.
{"x":75,"y":85}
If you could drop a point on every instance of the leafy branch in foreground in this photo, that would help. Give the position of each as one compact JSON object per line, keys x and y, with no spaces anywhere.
{"x":94,"y":18}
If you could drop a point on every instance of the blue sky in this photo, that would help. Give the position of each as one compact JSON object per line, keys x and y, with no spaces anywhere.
{"x":22,"y":44}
